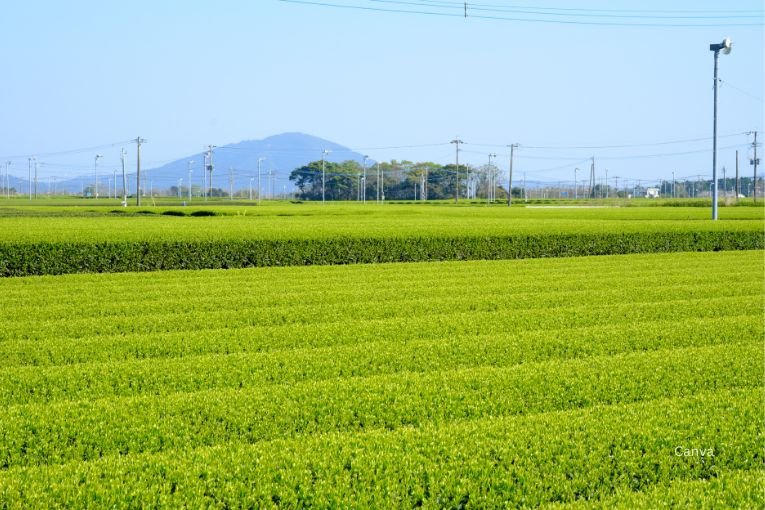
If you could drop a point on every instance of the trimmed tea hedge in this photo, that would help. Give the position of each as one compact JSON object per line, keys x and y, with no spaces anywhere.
{"x":41,"y":258}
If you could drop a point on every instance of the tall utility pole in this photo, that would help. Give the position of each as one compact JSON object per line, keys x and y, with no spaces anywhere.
{"x":606,"y":182}
{"x":95,"y":168}
{"x":737,"y":183}
{"x":260,"y":193}
{"x":29,"y":177}
{"x":191,"y":164}
{"x":755,"y":161}
{"x":592,"y":178}
{"x":204,"y":176}
{"x":576,"y":186}
{"x":673,"y":185}
{"x":210,"y":166}
{"x":725,"y":46}
{"x":378,"y":182}
{"x":114,"y":178}
{"x":457,"y":143}
{"x":364,"y":181}
{"x":138,"y":142}
{"x":124,"y":177}
{"x":491,"y":186}
{"x":323,"y":173}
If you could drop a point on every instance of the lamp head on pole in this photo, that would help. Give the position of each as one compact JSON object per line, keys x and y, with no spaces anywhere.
{"x":726,"y":46}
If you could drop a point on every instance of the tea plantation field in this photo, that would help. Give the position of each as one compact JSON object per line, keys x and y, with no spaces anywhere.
{"x":40,"y":240}
{"x":618,"y":381}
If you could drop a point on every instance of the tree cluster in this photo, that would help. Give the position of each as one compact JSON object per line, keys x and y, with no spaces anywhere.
{"x":394,"y":180}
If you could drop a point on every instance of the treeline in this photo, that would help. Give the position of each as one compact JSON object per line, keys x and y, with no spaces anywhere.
{"x":395,"y":180}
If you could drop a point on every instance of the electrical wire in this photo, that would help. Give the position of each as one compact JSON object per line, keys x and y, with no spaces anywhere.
{"x":572,"y":12}
{"x":519,"y":19}
{"x":69,"y":152}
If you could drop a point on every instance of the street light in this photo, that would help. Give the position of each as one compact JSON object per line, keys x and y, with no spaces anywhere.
{"x":95,"y":169}
{"x":725,"y":47}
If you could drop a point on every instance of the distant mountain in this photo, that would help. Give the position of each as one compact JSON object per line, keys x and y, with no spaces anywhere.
{"x":239,"y":161}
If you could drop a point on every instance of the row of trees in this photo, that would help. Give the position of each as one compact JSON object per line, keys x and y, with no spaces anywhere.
{"x":395,"y":180}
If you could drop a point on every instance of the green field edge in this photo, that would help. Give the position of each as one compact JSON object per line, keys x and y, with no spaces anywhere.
{"x":42,"y":258}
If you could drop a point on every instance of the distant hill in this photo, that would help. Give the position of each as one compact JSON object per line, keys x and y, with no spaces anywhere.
{"x":283,"y":153}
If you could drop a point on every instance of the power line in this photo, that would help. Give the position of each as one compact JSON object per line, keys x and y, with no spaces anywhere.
{"x":517,"y":19}
{"x":629,"y":145}
{"x":752,"y":96}
{"x":67,"y":152}
{"x":575,"y":12}
{"x":472,"y":4}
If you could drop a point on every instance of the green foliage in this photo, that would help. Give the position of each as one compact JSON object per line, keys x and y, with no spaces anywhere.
{"x":25,"y":259}
{"x":489,"y":383}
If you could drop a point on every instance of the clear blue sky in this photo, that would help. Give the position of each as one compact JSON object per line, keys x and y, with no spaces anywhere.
{"x":184,"y":74}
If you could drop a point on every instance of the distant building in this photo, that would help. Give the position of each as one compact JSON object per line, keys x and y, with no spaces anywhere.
{"x":652,"y":193}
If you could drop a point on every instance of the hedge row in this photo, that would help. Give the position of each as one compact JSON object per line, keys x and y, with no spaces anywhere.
{"x":27,"y":259}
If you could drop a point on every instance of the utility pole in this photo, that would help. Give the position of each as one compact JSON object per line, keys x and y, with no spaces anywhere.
{"x":29,"y":177}
{"x":114,"y":178}
{"x":210,"y":165}
{"x":755,"y":161}
{"x":364,"y":181}
{"x":230,"y":183}
{"x":191,"y":164}
{"x":673,"y":185}
{"x":725,"y":47}
{"x":138,"y":142}
{"x":8,"y":180}
{"x":204,"y":176}
{"x":260,"y":192}
{"x":490,"y":191}
{"x":606,"y":182}
{"x":180,"y":184}
{"x":457,"y":143}
{"x":124,"y":177}
{"x":592,"y":178}
{"x":737,"y":182}
{"x":95,"y":167}
{"x":323,"y":173}
{"x":576,"y":186}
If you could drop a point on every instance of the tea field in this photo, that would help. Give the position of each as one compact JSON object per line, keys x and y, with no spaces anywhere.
{"x":40,"y":240}
{"x":616,"y":381}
